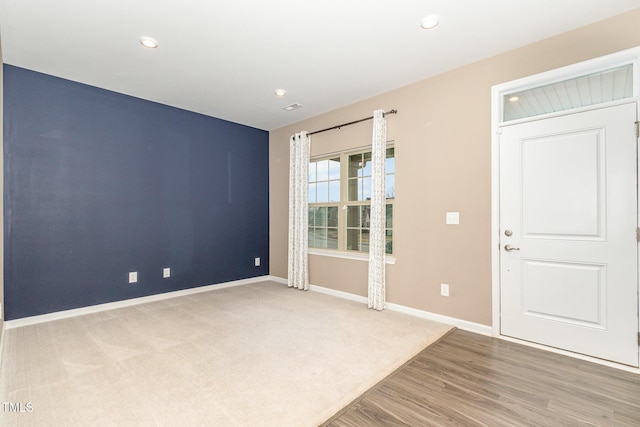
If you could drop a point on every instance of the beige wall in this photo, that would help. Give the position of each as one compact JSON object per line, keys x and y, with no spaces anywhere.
{"x":443,"y":160}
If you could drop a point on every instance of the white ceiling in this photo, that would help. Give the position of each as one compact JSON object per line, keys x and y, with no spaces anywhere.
{"x":226,"y":58}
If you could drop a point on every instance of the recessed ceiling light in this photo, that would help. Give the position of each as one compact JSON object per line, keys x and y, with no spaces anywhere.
{"x":281,"y":92}
{"x":513,"y":99}
{"x":148,"y":42}
{"x":430,"y":21}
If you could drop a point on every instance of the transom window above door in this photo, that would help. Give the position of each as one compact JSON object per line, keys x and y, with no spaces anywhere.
{"x":609,"y":85}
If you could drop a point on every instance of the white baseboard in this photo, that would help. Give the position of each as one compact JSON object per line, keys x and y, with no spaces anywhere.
{"x":278,"y":279}
{"x":32,"y":320}
{"x":465,"y":325}
{"x":339,"y":294}
{"x":458,"y":323}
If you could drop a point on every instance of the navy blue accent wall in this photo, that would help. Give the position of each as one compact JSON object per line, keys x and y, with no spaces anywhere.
{"x":98,"y":184}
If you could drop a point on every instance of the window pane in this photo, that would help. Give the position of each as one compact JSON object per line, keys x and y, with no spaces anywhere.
{"x":312,"y":193}
{"x":364,"y":241}
{"x":353,"y":189}
{"x":334,"y":191}
{"x":321,"y":217}
{"x":366,"y":189}
{"x":334,"y":169}
{"x":323,"y":192}
{"x":389,"y":223}
{"x":366,"y":216}
{"x":332,"y":238}
{"x":321,"y":238}
{"x":389,"y":242}
{"x":390,"y":162}
{"x":366,"y":167}
{"x":323,"y":171}
{"x":353,"y":216}
{"x":311,"y":216}
{"x":312,"y":242}
{"x":390,"y":165}
{"x":332,"y":216}
{"x":353,"y":239}
{"x":312,"y":171}
{"x":390,"y":186}
{"x":355,"y":163}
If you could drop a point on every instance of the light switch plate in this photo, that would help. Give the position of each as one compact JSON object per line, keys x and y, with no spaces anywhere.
{"x":444,"y":289}
{"x":453,"y":218}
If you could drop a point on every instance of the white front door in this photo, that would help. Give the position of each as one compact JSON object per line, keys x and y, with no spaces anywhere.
{"x":568,"y":218}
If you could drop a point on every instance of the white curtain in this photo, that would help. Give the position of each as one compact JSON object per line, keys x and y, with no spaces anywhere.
{"x":298,"y":211}
{"x":378,"y":213}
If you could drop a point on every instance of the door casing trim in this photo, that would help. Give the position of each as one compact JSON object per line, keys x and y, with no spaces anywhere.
{"x":497,"y":92}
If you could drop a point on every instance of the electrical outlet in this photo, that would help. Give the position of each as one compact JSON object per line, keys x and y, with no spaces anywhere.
{"x":256,"y":261}
{"x":133,"y":277}
{"x":166,"y":272}
{"x":444,"y":290}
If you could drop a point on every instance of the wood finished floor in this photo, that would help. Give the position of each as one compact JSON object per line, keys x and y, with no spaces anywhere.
{"x":472,"y":380}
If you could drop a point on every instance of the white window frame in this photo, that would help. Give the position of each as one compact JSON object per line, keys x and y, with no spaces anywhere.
{"x":341,"y":251}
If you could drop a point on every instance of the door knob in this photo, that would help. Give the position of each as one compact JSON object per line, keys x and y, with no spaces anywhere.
{"x":510,"y":248}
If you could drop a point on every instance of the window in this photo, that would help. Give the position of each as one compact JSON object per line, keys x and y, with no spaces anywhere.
{"x":324,"y":197}
{"x":576,"y":92}
{"x":340,"y":201}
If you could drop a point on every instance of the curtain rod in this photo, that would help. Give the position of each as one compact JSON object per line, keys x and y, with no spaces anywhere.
{"x":351,"y":123}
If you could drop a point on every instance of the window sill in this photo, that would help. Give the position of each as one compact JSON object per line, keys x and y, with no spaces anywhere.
{"x":388,"y":259}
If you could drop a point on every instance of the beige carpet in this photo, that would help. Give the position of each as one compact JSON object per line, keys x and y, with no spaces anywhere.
{"x":252,"y":355}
